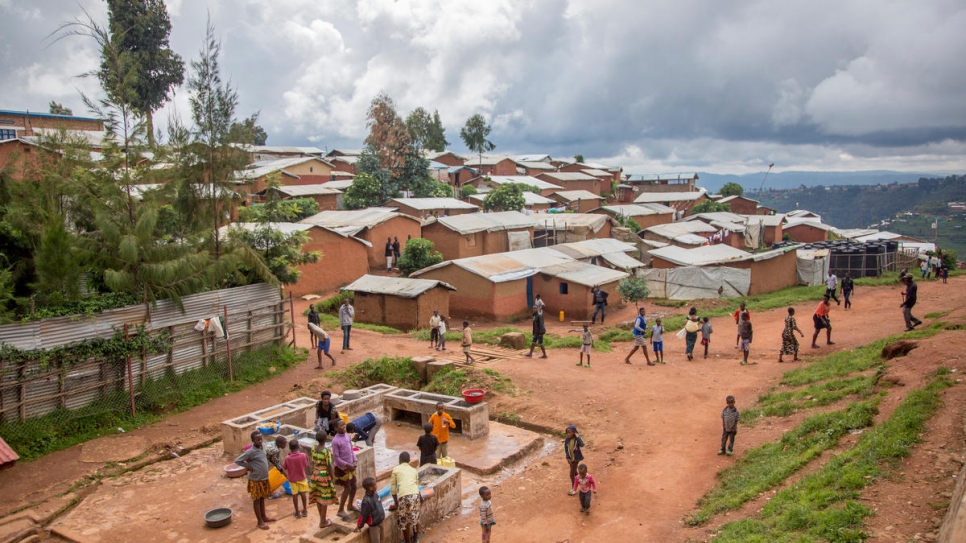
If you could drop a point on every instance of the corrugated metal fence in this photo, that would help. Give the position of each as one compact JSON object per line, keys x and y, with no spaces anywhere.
{"x":256,"y":316}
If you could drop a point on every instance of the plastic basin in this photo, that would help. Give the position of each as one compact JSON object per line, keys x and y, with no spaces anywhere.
{"x":269,"y":428}
{"x":474,"y":395}
{"x":234,"y":470}
{"x":216,"y":518}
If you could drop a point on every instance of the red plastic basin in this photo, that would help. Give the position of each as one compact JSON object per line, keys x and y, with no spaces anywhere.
{"x":474,"y":395}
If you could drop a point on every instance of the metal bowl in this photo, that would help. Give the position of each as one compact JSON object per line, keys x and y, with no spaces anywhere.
{"x":216,"y":518}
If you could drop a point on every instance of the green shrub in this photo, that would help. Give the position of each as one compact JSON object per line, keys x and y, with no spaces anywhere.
{"x":391,"y":370}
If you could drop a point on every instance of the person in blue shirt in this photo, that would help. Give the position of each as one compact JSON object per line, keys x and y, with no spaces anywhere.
{"x":640,"y":326}
{"x":365,"y":428}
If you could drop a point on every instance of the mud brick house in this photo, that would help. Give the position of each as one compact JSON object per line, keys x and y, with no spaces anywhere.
{"x":503,"y":285}
{"x":531,"y":201}
{"x":682,"y":202}
{"x":306,"y":170}
{"x":18,"y":124}
{"x":22,"y":148}
{"x":344,"y":256}
{"x":446,"y":157}
{"x":664,"y":182}
{"x":578,"y":200}
{"x":494,"y":181}
{"x":327,"y":198}
{"x":474,"y":234}
{"x":770,"y":271}
{"x":645,"y":215}
{"x":373,"y":225}
{"x":739,"y":204}
{"x":572,"y":181}
{"x":492,"y":165}
{"x":404,"y":304}
{"x":442,"y":207}
{"x":806,"y":231}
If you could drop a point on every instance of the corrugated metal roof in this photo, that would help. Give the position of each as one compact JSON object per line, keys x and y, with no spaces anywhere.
{"x":535,"y":165}
{"x":583,"y":273}
{"x":681,"y":230}
{"x":339,"y":184}
{"x":470,"y":223}
{"x":432,"y":155}
{"x":637,"y":210}
{"x":292,"y":227}
{"x":597,"y":173}
{"x":286,"y":149}
{"x":663,"y":176}
{"x":569,"y":176}
{"x":529,"y":199}
{"x":368,"y":218}
{"x":544,"y":158}
{"x":701,"y":256}
{"x":426,"y":204}
{"x":658,"y":197}
{"x":296,"y":191}
{"x":566,"y":221}
{"x":574,"y":195}
{"x":594,"y":247}
{"x":622,"y":260}
{"x":809,"y":221}
{"x":395,"y":286}
{"x":522,"y":179}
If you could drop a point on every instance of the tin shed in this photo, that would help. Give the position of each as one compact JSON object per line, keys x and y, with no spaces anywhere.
{"x":405,"y":304}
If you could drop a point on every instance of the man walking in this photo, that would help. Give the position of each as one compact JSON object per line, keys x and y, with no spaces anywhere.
{"x":847,"y":287}
{"x":389,"y":253}
{"x":831,"y":282}
{"x":600,"y":303}
{"x":908,"y":302}
{"x":346,"y":314}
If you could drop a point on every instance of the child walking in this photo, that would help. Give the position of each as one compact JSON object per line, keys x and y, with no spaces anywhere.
{"x":584,"y":483}
{"x":467,"y":342}
{"x":255,"y":461}
{"x":745,"y":333}
{"x":487,"y":520}
{"x":372,"y":512}
{"x":441,"y":346}
{"x":586,"y":344}
{"x":706,"y":332}
{"x":295,"y":465}
{"x":427,"y":445}
{"x":729,"y":426}
{"x":321,"y":486}
{"x":572,"y":445}
{"x":657,"y":341}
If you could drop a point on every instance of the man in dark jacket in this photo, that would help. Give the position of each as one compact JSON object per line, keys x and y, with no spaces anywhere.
{"x":908,"y":302}
{"x":600,"y":302}
{"x":539,"y":329}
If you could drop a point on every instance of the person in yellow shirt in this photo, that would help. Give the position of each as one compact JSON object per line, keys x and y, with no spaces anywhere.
{"x":404,"y":487}
{"x":441,"y":422}
{"x":467,"y":342}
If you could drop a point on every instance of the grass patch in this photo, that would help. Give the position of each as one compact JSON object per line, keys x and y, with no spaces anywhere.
{"x":937,"y":315}
{"x":492,"y":337}
{"x":822,"y":506}
{"x":616,"y":334}
{"x":750,"y":417}
{"x":857,"y":360}
{"x":452,"y":381}
{"x":766,"y":466}
{"x":783,"y":404}
{"x":158,"y":398}
{"x":395,"y":371}
{"x":664,"y":302}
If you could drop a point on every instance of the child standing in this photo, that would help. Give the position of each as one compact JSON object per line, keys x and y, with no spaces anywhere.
{"x":729,"y":426}
{"x":706,"y":332}
{"x":321,"y":487}
{"x":256,"y":462}
{"x":295,"y":464}
{"x":586,"y":344}
{"x":487,"y":520}
{"x":572,"y":445}
{"x":657,"y":341}
{"x":442,"y":422}
{"x":344,"y":465}
{"x":584,"y":484}
{"x":467,"y":342}
{"x":745,"y":333}
{"x":372,"y":512}
{"x":427,"y":445}
{"x":441,"y":346}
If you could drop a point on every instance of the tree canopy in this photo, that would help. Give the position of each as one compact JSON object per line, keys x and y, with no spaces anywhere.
{"x":732,"y":189}
{"x":418,"y":254}
{"x":474,"y":135}
{"x":56,"y":108}
{"x":365,"y":191}
{"x":247,"y":131}
{"x":709,"y":206}
{"x":508,"y":197}
{"x":633,"y":289}
{"x":425,"y":130}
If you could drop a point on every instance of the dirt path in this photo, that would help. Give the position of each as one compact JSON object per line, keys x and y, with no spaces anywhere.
{"x":652,"y":431}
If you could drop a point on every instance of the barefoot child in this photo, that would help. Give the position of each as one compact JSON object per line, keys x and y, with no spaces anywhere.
{"x":372,"y":512}
{"x":427,"y":445}
{"x":745,"y":333}
{"x":441,"y":346}
{"x":657,"y":341}
{"x":344,"y":469}
{"x":442,"y":422}
{"x":729,"y":426}
{"x":586,"y":344}
{"x":295,"y":465}
{"x":255,"y":461}
{"x":706,"y":332}
{"x":321,"y":489}
{"x":487,"y":520}
{"x":467,"y":342}
{"x":323,"y":347}
{"x":584,"y":483}
{"x":572,"y":446}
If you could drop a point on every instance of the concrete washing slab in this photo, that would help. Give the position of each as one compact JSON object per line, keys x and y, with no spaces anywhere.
{"x":415,"y":407}
{"x":236,"y":433}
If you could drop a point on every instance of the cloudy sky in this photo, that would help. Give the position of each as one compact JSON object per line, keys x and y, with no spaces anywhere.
{"x":653,"y":85}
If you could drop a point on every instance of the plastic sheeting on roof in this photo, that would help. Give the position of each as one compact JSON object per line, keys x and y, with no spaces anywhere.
{"x":470,"y":223}
{"x":567,"y":221}
{"x":521,"y":179}
{"x":622,"y":261}
{"x":395,"y":286}
{"x":701,"y":256}
{"x":574,"y":195}
{"x":423,"y":204}
{"x":307,"y":190}
{"x":366,"y":218}
{"x":584,"y":274}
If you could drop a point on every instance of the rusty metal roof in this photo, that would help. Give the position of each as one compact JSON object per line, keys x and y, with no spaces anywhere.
{"x":395,"y":286}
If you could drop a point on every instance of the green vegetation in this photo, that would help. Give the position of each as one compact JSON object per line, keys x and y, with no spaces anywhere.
{"x":492,"y":337}
{"x":766,"y":466}
{"x":783,"y":404}
{"x":331,"y":322}
{"x":419,"y":253}
{"x":452,"y":381}
{"x":822,"y":506}
{"x":158,"y":398}
{"x":710,"y":206}
{"x":396,"y":371}
{"x":633,"y":289}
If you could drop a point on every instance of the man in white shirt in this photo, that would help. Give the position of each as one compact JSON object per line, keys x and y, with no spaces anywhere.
{"x":831,"y":282}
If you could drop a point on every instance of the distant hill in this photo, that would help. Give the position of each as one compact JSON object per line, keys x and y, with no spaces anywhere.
{"x":793,"y":180}
{"x":861,"y":206}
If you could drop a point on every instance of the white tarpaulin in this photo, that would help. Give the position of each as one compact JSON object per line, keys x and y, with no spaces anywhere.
{"x":753,"y":234}
{"x":518,"y":240}
{"x":692,"y":282}
{"x":812,"y":271}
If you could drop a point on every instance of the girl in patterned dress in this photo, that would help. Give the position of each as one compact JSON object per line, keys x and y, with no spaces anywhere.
{"x":789,"y":341}
{"x":321,"y":490}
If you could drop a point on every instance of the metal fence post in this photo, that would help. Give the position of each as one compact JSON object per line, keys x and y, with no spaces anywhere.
{"x":291,"y":307}
{"x":130,"y":375}
{"x":231,"y":372}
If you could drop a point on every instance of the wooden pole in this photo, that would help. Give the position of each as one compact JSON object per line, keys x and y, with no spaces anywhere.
{"x":130,"y":376}
{"x":231,"y":372}
{"x":291,"y":307}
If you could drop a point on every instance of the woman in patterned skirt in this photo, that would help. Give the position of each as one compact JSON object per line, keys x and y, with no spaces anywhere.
{"x":789,"y":341}
{"x":321,"y":490}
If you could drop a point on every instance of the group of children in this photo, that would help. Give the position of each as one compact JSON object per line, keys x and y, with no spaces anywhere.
{"x":437,"y":336}
{"x":657,"y":337}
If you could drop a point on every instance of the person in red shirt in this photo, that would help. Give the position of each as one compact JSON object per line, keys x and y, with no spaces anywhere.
{"x":295,"y":465}
{"x":737,"y":316}
{"x":820,"y":318}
